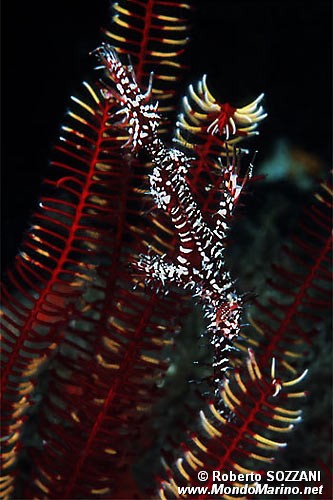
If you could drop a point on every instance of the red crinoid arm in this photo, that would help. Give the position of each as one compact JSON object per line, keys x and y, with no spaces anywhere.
{"x":41,"y":290}
{"x":285,"y":326}
{"x":92,"y":215}
{"x":71,"y":286}
{"x":241,"y":438}
{"x":154,"y":34}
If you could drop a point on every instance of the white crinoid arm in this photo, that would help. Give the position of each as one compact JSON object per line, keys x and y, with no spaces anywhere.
{"x":202,"y":113}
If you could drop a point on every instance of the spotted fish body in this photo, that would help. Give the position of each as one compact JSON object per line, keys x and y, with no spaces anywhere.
{"x":199,"y":264}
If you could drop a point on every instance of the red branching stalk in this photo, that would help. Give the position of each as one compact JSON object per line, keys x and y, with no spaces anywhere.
{"x":243,"y":437}
{"x":72,"y":235}
{"x":286,"y":326}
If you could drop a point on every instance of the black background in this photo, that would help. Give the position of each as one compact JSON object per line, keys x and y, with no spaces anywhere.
{"x":246,"y":47}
